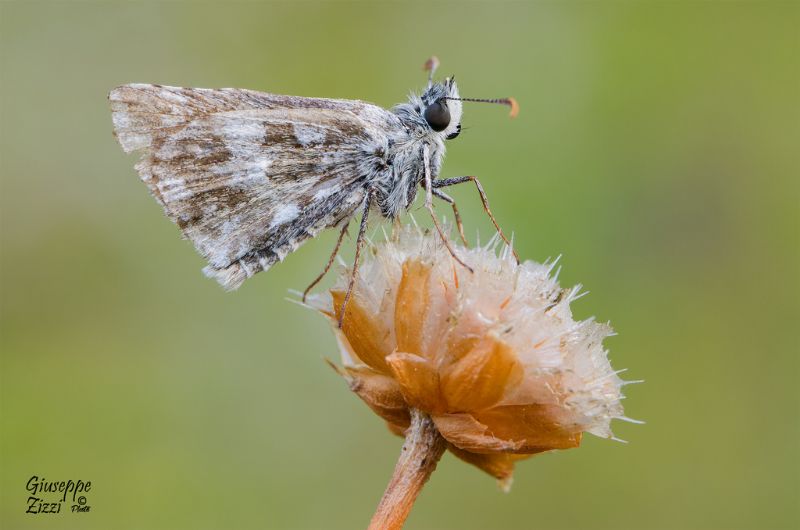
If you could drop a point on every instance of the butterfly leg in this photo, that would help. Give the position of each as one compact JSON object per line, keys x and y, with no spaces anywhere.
{"x":330,"y":261}
{"x":362,"y":232}
{"x":429,"y":206}
{"x":448,"y":199}
{"x":441,"y":183}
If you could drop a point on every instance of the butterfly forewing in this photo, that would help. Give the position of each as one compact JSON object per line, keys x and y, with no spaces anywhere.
{"x":249,"y":176}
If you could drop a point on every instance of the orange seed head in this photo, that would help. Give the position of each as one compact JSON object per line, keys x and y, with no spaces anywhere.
{"x":495,"y":357}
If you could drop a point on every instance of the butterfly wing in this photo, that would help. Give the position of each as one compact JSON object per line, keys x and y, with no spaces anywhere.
{"x":249,"y":176}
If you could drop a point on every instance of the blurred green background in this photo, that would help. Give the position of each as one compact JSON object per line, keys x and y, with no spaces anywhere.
{"x":656,"y":149}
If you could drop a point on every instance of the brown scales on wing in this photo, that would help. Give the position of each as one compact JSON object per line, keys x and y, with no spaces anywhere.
{"x":246,"y":176}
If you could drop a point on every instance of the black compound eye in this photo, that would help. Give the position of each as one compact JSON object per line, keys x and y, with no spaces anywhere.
{"x":438,"y":115}
{"x":454,"y":134}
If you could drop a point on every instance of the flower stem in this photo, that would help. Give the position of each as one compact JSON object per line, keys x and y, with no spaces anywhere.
{"x":421,"y":452}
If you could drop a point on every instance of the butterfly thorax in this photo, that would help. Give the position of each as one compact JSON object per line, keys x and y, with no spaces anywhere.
{"x":407,"y":149}
{"x":396,"y":194}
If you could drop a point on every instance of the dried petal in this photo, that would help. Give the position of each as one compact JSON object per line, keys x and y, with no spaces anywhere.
{"x":412,"y":306}
{"x":380,"y":392}
{"x":537,"y":427}
{"x":498,"y":465}
{"x":418,"y":379}
{"x":478,"y":379}
{"x":366,"y":336}
{"x":463,"y":431}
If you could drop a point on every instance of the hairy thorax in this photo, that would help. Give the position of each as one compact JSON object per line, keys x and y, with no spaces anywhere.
{"x":407,"y":172}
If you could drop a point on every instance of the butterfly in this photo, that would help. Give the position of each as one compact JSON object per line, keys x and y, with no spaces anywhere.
{"x":249,"y":176}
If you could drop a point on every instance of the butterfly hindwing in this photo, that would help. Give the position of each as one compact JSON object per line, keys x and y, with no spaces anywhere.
{"x":249,"y":176}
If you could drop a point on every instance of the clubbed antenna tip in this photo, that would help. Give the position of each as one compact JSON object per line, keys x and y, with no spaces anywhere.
{"x":431,"y":64}
{"x":514,"y":107}
{"x":511,"y":102}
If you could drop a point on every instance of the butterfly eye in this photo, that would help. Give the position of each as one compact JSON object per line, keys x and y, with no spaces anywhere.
{"x":454,"y":134}
{"x":437,"y":115}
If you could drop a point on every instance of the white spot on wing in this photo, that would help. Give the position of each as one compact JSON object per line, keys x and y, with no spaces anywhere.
{"x":285,"y":214}
{"x":262,"y":164}
{"x":326,"y":190}
{"x":242,"y":131}
{"x":307,"y":134}
{"x":122,"y":120}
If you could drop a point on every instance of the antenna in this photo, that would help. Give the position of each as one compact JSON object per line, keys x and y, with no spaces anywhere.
{"x":430,"y":66}
{"x":511,"y":102}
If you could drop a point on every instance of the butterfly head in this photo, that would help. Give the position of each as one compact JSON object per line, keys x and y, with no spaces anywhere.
{"x":441,"y":108}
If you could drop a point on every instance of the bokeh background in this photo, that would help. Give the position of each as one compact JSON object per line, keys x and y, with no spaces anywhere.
{"x":656,"y":150}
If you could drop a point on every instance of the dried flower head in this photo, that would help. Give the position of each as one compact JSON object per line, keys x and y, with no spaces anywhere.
{"x":494,"y":358}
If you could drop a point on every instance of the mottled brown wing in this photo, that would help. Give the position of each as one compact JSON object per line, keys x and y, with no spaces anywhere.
{"x":249,"y":176}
